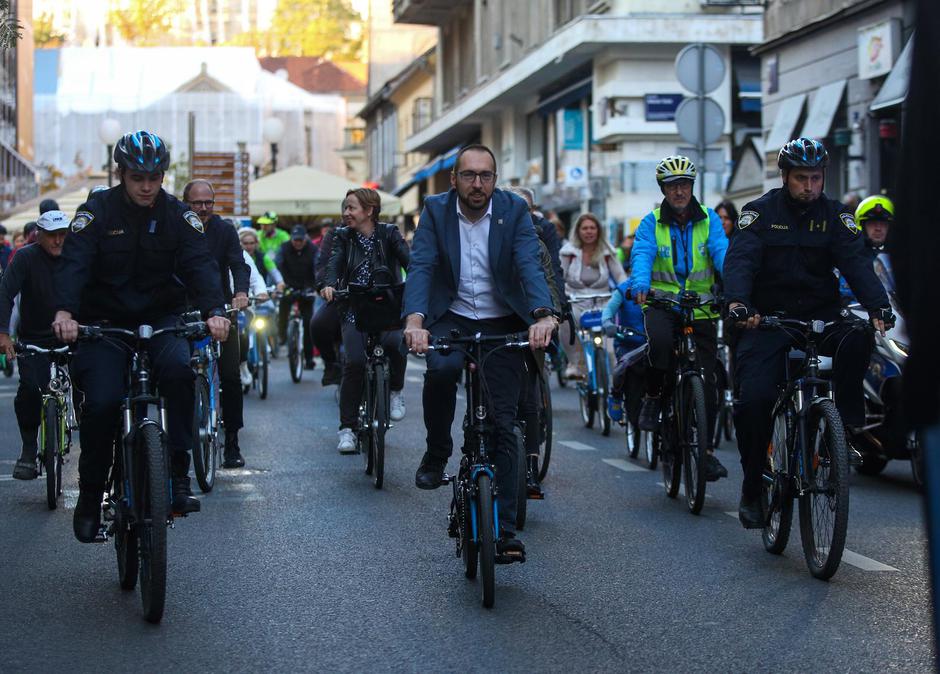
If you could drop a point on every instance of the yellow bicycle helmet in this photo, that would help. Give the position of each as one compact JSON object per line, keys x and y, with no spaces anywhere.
{"x":675,"y":167}
{"x":875,"y":208}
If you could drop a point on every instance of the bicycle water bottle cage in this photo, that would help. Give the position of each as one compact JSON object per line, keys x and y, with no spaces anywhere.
{"x":590,"y":319}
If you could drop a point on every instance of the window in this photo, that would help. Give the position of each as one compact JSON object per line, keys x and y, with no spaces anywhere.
{"x":421,"y":114}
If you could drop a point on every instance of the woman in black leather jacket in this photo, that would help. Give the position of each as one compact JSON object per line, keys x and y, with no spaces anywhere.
{"x":364,"y":248}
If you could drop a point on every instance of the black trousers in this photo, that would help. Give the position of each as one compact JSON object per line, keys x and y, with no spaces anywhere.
{"x":100,"y":372}
{"x":306,"y":313}
{"x":760,"y":369}
{"x":354,"y":370}
{"x":34,"y":377}
{"x":325,"y":330}
{"x":503,"y":374}
{"x":661,"y":329}
{"x":232,"y":398}
{"x":528,"y":411}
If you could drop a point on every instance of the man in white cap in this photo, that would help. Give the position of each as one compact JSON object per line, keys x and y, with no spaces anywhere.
{"x":29,"y":275}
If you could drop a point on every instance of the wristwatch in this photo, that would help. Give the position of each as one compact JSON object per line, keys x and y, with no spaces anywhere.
{"x":542,"y":313}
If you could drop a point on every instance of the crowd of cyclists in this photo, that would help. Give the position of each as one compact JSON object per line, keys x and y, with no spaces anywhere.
{"x":483,"y":260}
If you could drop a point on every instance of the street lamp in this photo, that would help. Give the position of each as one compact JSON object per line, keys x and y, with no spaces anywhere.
{"x":256,"y":157}
{"x":110,"y":133}
{"x":272,"y":131}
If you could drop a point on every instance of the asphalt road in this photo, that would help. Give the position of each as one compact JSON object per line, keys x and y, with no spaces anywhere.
{"x":297,"y":563}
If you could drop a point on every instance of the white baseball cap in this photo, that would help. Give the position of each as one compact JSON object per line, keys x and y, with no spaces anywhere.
{"x":53,"y":221}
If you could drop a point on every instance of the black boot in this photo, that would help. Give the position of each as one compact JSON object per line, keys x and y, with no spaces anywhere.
{"x":332,"y":374}
{"x":233,"y":454}
{"x":183,"y":500}
{"x":533,"y":487}
{"x":25,"y":468}
{"x":86,"y":522}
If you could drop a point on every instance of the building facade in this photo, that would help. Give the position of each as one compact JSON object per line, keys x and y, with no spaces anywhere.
{"x":836,"y":71}
{"x":578,"y":97}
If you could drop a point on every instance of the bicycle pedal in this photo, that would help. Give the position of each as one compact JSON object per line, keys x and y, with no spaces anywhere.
{"x":102,"y":536}
{"x":447,"y":479}
{"x":533,"y":495}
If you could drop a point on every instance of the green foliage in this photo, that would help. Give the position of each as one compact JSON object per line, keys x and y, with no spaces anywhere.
{"x":44,"y":32}
{"x":145,"y":23}
{"x":309,"y":28}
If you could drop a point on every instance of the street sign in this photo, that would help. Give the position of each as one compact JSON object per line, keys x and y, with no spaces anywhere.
{"x":700,"y":68}
{"x":714,"y":159}
{"x":661,"y":107}
{"x":698,"y":116}
{"x":229,"y":173}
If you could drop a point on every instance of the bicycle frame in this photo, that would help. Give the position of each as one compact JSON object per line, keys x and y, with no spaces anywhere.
{"x":205,"y":361}
{"x":59,"y":389}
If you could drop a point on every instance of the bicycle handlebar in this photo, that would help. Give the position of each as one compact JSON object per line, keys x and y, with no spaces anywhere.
{"x":195,"y":330}
{"x":514,"y":340}
{"x":22,"y":347}
{"x":685,"y":299}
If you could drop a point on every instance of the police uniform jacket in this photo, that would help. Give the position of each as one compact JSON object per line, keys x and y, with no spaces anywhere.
{"x":129,"y":264}
{"x":783,"y":255}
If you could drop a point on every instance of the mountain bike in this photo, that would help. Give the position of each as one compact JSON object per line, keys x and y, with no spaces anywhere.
{"x":684,"y":421}
{"x":474,"y":518}
{"x":57,"y":418}
{"x":295,"y":331}
{"x":807,"y":457}
{"x":592,"y":392}
{"x":208,"y":426}
{"x":138,"y":508}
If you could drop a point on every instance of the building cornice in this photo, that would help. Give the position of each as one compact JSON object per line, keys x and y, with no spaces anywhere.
{"x":816,"y":25}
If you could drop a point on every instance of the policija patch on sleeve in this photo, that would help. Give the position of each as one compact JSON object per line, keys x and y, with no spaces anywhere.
{"x":194,"y":221}
{"x":81,"y":220}
{"x":849,"y":221}
{"x":747,"y":218}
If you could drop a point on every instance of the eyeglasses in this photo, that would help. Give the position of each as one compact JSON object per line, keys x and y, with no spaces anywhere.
{"x":470,"y":177}
{"x":208,"y":203}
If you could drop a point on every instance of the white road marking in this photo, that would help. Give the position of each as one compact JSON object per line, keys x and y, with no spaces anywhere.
{"x":6,"y":394}
{"x":577,"y":446}
{"x":6,"y":478}
{"x":415,"y":380}
{"x":625,"y":466}
{"x":849,"y":557}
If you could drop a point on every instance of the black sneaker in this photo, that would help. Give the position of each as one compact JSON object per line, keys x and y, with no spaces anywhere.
{"x":86,"y":521}
{"x":751,"y":513}
{"x":429,"y":475}
{"x":309,"y":364}
{"x":713,"y":468}
{"x":183,"y":500}
{"x":332,"y":374}
{"x":25,"y":468}
{"x":649,"y":414}
{"x":233,"y":454}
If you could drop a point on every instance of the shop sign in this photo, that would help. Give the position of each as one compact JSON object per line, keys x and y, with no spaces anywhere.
{"x":878,"y":48}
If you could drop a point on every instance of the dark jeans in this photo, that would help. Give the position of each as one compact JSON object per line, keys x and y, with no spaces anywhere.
{"x":354,"y":370}
{"x":760,"y":368}
{"x":325,"y":330}
{"x":503,"y":374}
{"x":232,"y":398}
{"x":34,"y":377}
{"x":661,"y":328}
{"x":306,"y":312}
{"x":100,"y":371}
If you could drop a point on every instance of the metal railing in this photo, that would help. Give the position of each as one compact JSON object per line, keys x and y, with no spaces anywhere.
{"x":18,"y":179}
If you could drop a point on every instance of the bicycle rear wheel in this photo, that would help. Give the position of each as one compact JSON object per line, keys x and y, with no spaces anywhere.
{"x":522,"y":490}
{"x":52,"y":430}
{"x":486,"y":532}
{"x":379,"y":426}
{"x":262,"y":366}
{"x":600,"y":377}
{"x":778,"y":492}
{"x":824,"y":506}
{"x":153,"y":501}
{"x":204,"y":457}
{"x":694,"y":428}
{"x":670,"y":461}
{"x":649,"y":444}
{"x":295,"y":350}
{"x":587,"y":404}
{"x":546,"y":430}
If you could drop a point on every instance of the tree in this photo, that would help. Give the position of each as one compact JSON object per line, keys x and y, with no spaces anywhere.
{"x":44,"y":33}
{"x":11,"y":29}
{"x":145,"y":23}
{"x":326,"y":28}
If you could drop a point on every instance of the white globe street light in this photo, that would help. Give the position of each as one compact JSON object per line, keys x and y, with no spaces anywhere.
{"x":109,"y":132}
{"x":272,"y":130}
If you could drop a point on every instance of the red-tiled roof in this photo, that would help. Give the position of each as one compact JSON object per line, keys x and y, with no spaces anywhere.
{"x":315,"y":74}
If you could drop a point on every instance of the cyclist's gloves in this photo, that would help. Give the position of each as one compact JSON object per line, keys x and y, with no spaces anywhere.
{"x":610,"y":329}
{"x":884,"y":314}
{"x":740,"y":314}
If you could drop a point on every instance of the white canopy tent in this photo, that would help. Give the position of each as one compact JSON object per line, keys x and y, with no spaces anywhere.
{"x":301,"y":190}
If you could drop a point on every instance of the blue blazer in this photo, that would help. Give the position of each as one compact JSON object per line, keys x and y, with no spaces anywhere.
{"x":434,"y":268}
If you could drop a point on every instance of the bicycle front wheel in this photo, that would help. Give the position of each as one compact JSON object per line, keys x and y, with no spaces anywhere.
{"x":153,"y":501}
{"x":600,"y":375}
{"x":295,"y":350}
{"x":824,"y":506}
{"x":486,"y":536}
{"x":203,"y":437}
{"x":53,"y":429}
{"x":694,"y":429}
{"x":670,"y":460}
{"x":262,"y":366}
{"x":586,"y":401}
{"x":545,"y":425}
{"x":379,"y":426}
{"x":522,"y":490}
{"x":778,"y":493}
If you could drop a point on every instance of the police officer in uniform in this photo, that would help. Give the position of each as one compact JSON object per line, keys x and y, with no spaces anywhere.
{"x":781,"y":259}
{"x":133,"y":254}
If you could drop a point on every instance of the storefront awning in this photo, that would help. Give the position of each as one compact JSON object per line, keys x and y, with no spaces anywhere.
{"x":823,"y":110}
{"x":788,"y":114}
{"x":440,"y":163}
{"x":894,"y":90}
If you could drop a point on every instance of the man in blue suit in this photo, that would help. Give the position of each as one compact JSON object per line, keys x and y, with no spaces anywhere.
{"x":475,"y":268}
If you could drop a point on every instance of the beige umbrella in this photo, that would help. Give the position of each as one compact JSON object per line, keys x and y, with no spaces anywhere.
{"x":301,"y":190}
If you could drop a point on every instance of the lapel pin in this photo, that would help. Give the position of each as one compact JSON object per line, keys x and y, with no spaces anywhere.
{"x":500,"y":221}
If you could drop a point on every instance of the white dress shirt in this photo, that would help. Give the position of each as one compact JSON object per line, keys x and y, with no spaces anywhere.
{"x":477,"y":297}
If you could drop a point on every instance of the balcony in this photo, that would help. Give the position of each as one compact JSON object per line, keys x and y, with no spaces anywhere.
{"x":354,"y":138}
{"x":17,"y":177}
{"x":425,"y":12}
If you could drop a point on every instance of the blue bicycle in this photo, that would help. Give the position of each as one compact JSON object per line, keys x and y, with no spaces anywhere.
{"x":592,"y":392}
{"x":208,"y":428}
{"x":256,"y":324}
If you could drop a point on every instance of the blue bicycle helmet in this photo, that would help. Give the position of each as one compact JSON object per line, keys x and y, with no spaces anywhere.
{"x":142,"y":151}
{"x":803,"y":153}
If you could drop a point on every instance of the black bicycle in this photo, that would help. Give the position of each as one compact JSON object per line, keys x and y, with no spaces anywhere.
{"x":138,"y":507}
{"x":684,"y":422}
{"x":296,"y":357}
{"x":807,"y":458}
{"x":474,"y":517}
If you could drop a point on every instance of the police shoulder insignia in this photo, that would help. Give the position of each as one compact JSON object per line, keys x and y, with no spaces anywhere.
{"x":849,"y":221}
{"x":81,"y":220}
{"x":194,"y":221}
{"x":746,"y":218}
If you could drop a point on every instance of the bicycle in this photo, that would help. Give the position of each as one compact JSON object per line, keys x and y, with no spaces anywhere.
{"x":57,"y":418}
{"x":137,"y":510}
{"x":684,"y":419}
{"x":724,"y":419}
{"x":295,"y":331}
{"x":474,"y":518}
{"x":255,"y":324}
{"x":592,"y":392}
{"x":208,"y":425}
{"x":546,"y":423}
{"x":807,"y":457}
{"x":636,"y":440}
